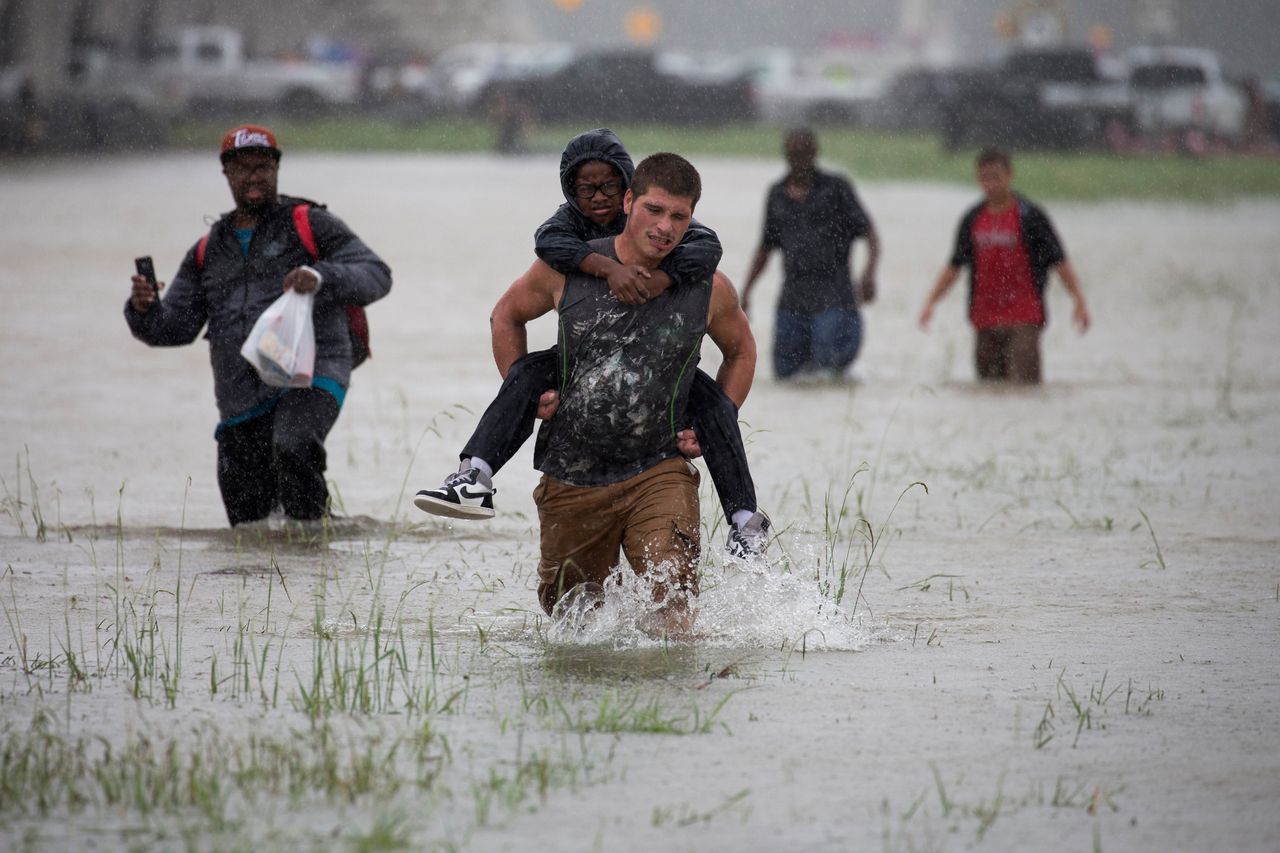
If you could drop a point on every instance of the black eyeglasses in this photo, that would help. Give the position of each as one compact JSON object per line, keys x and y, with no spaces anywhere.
{"x":609,"y":188}
{"x":244,"y":170}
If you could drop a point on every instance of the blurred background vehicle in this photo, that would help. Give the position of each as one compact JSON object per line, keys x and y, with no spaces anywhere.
{"x":208,"y":70}
{"x":1037,"y":97}
{"x":1059,"y":74}
{"x":913,"y":100}
{"x":403,"y":88}
{"x":624,"y":86}
{"x":1176,"y":90}
{"x":468,"y":76}
{"x":830,"y":88}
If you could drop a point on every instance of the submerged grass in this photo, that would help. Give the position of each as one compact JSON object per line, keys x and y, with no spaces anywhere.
{"x":205,"y":771}
{"x":355,"y":702}
{"x":1084,"y":711}
{"x":838,"y":567}
{"x":958,"y":809}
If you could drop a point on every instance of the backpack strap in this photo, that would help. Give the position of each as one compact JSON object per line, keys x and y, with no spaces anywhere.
{"x":357,"y":321}
{"x":302,"y":224}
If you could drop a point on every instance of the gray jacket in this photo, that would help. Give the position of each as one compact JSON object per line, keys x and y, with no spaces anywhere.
{"x":228,"y":292}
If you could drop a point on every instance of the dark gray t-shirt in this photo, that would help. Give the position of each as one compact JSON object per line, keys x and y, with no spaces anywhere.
{"x":815,"y":236}
{"x":625,"y":372}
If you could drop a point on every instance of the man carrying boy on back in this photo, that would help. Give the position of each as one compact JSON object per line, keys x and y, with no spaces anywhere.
{"x":595,"y":171}
{"x":1010,"y":247}
{"x":614,"y":481}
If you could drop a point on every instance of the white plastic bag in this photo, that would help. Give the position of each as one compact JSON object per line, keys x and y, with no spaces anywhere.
{"x":282,"y":344}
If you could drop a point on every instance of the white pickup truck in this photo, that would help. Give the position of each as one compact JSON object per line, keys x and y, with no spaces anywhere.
{"x":1180,"y":89}
{"x":207,"y":67}
{"x":830,"y":87}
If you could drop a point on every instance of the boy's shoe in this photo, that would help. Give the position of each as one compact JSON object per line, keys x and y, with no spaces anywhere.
{"x":465,"y":494}
{"x":750,"y":539}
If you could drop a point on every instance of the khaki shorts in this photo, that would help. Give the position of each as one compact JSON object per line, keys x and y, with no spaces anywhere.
{"x":1009,"y":353}
{"x":652,"y":518}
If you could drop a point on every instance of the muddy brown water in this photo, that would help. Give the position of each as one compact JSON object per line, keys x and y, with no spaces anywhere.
{"x":1067,"y":642}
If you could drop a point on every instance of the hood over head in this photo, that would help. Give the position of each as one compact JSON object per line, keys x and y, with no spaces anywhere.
{"x":599,"y":144}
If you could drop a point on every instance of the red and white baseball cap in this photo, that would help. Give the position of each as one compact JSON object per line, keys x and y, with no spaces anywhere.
{"x":249,"y":137}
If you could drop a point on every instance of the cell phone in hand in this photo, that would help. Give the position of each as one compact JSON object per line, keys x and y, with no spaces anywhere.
{"x":147,"y":270}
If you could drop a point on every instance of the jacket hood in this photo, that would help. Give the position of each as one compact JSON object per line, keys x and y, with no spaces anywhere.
{"x":599,"y":144}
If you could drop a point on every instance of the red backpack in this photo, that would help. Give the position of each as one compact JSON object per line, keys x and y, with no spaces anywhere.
{"x":357,"y":321}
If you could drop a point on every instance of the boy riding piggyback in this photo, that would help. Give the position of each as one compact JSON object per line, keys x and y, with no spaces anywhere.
{"x":595,"y":172}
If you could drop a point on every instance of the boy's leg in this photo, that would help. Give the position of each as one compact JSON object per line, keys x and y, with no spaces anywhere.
{"x":1023,"y":353}
{"x":303,"y":418}
{"x":509,"y":420}
{"x":989,"y":354}
{"x":246,"y":470}
{"x":792,"y":343}
{"x":837,"y":337}
{"x":715,"y":420}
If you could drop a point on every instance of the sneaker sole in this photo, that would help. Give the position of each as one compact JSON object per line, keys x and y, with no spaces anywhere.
{"x":435,"y":506}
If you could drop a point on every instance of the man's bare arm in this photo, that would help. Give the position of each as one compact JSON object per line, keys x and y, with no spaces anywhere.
{"x":529,"y":297}
{"x":630,"y":283}
{"x":869,"y":271}
{"x":1079,"y":310}
{"x":946,"y":278}
{"x":729,"y":329}
{"x":757,"y":266}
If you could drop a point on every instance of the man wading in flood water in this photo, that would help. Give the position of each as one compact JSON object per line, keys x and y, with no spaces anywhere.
{"x":270,"y":442}
{"x":614,"y":481}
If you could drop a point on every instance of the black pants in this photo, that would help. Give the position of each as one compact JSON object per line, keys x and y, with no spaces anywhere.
{"x":278,"y":459}
{"x":509,"y":420}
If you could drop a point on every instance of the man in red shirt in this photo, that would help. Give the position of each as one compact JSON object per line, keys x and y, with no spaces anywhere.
{"x":1010,"y":247}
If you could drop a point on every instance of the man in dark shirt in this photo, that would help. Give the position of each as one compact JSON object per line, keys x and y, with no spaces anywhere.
{"x":1010,"y":247}
{"x":814,"y":217}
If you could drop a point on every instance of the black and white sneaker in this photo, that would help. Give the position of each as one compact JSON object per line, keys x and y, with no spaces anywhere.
{"x":465,"y":494}
{"x":750,"y":539}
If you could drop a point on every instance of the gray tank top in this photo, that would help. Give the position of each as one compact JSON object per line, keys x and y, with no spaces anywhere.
{"x":625,"y":373}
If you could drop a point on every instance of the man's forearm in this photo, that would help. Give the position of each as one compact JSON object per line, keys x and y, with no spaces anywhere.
{"x":1068,"y":275}
{"x":598,"y":265}
{"x":510,"y":342}
{"x":757,"y":266}
{"x":873,"y":255}
{"x":946,"y":278}
{"x":735,"y":376}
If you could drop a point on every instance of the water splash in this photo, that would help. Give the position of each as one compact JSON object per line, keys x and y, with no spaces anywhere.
{"x":743,"y":604}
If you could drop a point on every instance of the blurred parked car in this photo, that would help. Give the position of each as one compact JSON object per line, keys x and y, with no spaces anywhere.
{"x":1271,"y":109}
{"x":1052,"y":97}
{"x":831,"y":88}
{"x":913,"y":100}
{"x":466,"y":75}
{"x":625,"y":86}
{"x":100,"y":104}
{"x":208,"y":69}
{"x":1181,"y":89}
{"x":406,"y":90}
{"x":18,"y":122}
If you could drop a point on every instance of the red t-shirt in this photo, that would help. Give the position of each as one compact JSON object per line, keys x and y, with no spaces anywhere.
{"x":1004,"y":292}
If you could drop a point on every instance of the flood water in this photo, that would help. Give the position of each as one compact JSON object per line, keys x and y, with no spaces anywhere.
{"x":1059,"y":620}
